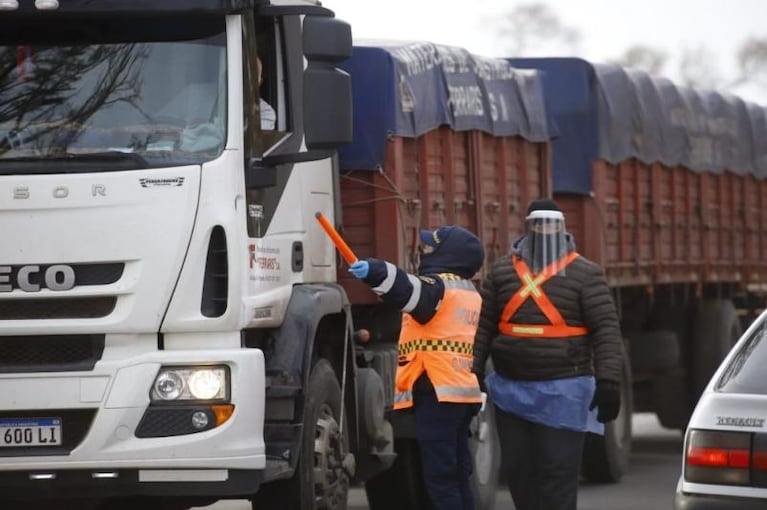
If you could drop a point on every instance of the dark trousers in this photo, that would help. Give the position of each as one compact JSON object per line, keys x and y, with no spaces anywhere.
{"x":443,"y":439}
{"x":542,"y":464}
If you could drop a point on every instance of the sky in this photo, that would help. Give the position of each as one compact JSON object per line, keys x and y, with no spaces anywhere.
{"x":607,"y":28}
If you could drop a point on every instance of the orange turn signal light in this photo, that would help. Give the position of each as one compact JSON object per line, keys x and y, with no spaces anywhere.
{"x":223,"y":412}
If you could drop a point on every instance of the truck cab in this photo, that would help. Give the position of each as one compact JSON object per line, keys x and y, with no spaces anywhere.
{"x":170,"y":328}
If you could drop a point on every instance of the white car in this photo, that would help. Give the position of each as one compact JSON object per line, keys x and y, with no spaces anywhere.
{"x":725,"y":447}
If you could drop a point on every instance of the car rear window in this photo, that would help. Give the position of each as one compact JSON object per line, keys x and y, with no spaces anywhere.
{"x":745,"y":373}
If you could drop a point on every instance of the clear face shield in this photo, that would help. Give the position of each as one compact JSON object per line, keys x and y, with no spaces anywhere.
{"x":546,"y":242}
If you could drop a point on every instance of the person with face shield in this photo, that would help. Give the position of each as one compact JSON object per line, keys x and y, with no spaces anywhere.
{"x":434,"y":379}
{"x":550,"y":327}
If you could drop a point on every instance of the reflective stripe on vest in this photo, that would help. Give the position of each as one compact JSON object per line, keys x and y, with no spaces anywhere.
{"x":532,"y":288}
{"x":449,"y":393}
{"x":420,"y":344}
{"x":443,"y":347}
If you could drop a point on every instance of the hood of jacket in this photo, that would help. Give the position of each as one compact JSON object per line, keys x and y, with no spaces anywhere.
{"x":458,"y":251}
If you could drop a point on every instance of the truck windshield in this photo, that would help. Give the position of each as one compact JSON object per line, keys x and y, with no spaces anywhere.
{"x":137,"y":101}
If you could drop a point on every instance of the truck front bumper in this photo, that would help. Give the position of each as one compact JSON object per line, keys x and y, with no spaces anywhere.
{"x":103,"y":456}
{"x":62,"y":484}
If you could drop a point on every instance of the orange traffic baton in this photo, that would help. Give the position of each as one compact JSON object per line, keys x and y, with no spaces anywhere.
{"x":346,"y":252}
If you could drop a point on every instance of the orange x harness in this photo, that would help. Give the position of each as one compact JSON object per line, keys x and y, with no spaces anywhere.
{"x":532,"y":287}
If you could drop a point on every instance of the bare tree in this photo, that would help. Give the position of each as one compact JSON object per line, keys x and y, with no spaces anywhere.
{"x":752,"y":62}
{"x":534,"y":29}
{"x":46,"y":104}
{"x":649,"y":59}
{"x":698,"y":68}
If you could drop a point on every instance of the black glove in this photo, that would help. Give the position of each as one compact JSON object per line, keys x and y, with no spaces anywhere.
{"x":607,"y":398}
{"x":481,"y":380}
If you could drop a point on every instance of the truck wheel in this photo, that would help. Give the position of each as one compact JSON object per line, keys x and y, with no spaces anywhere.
{"x":715,"y":331}
{"x":654,"y":351}
{"x":671,"y":396}
{"x":486,"y":450}
{"x":673,"y":317}
{"x":321,"y":479}
{"x":606,"y":458}
{"x":400,"y":487}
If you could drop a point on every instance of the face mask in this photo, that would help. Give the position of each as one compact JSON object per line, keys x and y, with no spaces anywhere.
{"x":545,"y":243}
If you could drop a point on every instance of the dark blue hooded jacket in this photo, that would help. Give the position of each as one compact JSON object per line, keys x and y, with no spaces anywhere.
{"x":456,"y":251}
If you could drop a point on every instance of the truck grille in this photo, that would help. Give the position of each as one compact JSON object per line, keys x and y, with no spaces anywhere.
{"x":85,"y":274}
{"x":63,"y":307}
{"x":57,"y":308}
{"x":50,"y":353}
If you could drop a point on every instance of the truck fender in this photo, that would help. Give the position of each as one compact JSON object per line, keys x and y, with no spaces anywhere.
{"x":291,"y":350}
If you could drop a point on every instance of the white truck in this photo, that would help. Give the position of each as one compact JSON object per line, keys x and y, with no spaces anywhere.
{"x":171,"y":332}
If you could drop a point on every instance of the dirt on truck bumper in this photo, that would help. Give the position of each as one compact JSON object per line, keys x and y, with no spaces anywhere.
{"x":115,"y":440}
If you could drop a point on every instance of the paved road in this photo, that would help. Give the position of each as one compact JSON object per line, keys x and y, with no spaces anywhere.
{"x":650,"y":483}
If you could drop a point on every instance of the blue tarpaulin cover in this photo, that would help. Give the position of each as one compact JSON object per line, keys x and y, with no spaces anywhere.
{"x":410,"y":88}
{"x":611,"y":113}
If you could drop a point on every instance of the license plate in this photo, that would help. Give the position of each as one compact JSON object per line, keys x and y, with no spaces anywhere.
{"x":16,"y":432}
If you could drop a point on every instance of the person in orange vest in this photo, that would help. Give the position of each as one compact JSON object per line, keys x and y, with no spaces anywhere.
{"x":550,"y":326}
{"x":441,"y":307}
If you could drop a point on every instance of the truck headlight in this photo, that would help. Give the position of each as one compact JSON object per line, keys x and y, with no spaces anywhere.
{"x":191,"y":384}
{"x":206,"y":384}
{"x":169,"y":385}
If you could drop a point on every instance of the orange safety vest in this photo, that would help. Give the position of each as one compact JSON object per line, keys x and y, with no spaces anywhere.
{"x":532,"y":288}
{"x":443,"y":347}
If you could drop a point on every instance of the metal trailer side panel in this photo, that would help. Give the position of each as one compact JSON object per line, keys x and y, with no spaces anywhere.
{"x":755,"y":224}
{"x":468,"y":178}
{"x":651,"y":224}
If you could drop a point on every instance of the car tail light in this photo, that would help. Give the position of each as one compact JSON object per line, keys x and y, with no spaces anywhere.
{"x":760,"y":461}
{"x":718,"y":457}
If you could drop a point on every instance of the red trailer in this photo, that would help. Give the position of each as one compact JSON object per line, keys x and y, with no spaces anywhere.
{"x":442,"y":177}
{"x":441,"y":137}
{"x":664,"y":187}
{"x":661,"y":185}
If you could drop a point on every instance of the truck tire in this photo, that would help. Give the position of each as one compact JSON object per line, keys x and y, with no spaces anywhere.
{"x":715,"y":330}
{"x":671,"y":399}
{"x":654,"y":351}
{"x":401,"y":487}
{"x":486,"y":450}
{"x":606,"y":458}
{"x":322,"y":478}
{"x":673,"y":317}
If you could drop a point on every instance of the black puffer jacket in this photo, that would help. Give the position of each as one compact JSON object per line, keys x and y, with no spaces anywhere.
{"x":582,"y":298}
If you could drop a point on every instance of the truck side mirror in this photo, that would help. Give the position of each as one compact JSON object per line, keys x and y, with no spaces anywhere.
{"x":327,"y":91}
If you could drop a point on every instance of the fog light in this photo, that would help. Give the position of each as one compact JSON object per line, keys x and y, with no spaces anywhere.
{"x":169,"y":385}
{"x":200,"y":420}
{"x":9,"y":5}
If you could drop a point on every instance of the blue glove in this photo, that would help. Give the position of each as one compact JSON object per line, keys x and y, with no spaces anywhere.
{"x":360,"y":269}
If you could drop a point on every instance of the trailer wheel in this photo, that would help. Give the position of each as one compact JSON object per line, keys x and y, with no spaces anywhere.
{"x":606,"y":458}
{"x":406,"y":475}
{"x":400,"y":487}
{"x":671,"y":396}
{"x":676,"y":318}
{"x":322,"y":476}
{"x":715,"y":330}
{"x":654,"y":351}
